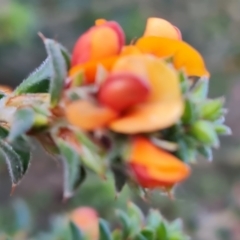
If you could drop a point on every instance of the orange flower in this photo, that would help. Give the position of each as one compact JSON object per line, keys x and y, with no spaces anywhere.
{"x":101,"y":41}
{"x":153,"y":167}
{"x":164,"y":97}
{"x":161,"y":28}
{"x":87,"y":220}
{"x":161,"y":39}
{"x":152,"y":89}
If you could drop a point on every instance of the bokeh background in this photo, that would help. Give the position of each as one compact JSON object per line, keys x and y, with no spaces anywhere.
{"x":209,"y":202}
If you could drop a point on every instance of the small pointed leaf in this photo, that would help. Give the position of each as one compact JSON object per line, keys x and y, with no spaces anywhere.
{"x":206,"y":152}
{"x":154,"y":219}
{"x":184,"y":82}
{"x":148,"y":233}
{"x":38,"y":81}
{"x":205,"y":133}
{"x":13,"y":160}
{"x":74,"y":174}
{"x":190,"y":113}
{"x":222,"y":129}
{"x":200,"y":90}
{"x":125,"y":222}
{"x":162,"y":231}
{"x":76,"y":233}
{"x":66,"y":55}
{"x":105,"y":233}
{"x":211,"y":109}
{"x":58,"y":68}
{"x":92,"y":160}
{"x":22,"y":122}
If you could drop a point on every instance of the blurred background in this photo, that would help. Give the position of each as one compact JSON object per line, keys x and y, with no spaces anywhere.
{"x":209,"y":202}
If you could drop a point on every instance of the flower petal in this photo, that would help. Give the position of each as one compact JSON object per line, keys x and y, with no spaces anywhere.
{"x":184,"y":56}
{"x":161,"y":28}
{"x":164,"y":105}
{"x":153,"y":166}
{"x":92,"y":44}
{"x":88,"y":116}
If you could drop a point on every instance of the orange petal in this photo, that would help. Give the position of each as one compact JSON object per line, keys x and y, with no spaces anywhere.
{"x":160,"y":166}
{"x":90,"y":68}
{"x":161,"y":28}
{"x":165,"y":104}
{"x":130,"y":50}
{"x":92,"y":44}
{"x":88,"y":116}
{"x":86,"y":219}
{"x":184,"y":56}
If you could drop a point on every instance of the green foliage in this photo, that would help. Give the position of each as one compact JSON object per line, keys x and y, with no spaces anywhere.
{"x":133,"y":226}
{"x":201,"y":124}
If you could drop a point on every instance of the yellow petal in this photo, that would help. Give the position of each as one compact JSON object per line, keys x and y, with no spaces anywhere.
{"x":161,"y":28}
{"x":88,"y":116}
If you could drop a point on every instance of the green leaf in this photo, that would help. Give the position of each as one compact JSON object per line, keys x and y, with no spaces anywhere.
{"x":76,"y":233}
{"x":182,"y":151}
{"x":92,"y":160}
{"x":21,"y":146}
{"x":222,"y":129}
{"x":105,"y":233}
{"x":211,"y":109}
{"x":176,"y":225}
{"x":206,"y":152}
{"x":135,"y":213}
{"x":86,"y":140}
{"x":59,"y":70}
{"x":154,"y":219}
{"x":140,"y":236}
{"x":200,"y":90}
{"x":74,"y":174}
{"x":162,"y":232}
{"x":38,"y":81}
{"x":66,"y":55}
{"x":14,"y":162}
{"x":22,"y":122}
{"x":184,"y":82}
{"x":125,"y":222}
{"x":205,"y":133}
{"x":117,"y":235}
{"x":190,"y":112}
{"x":148,"y":233}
